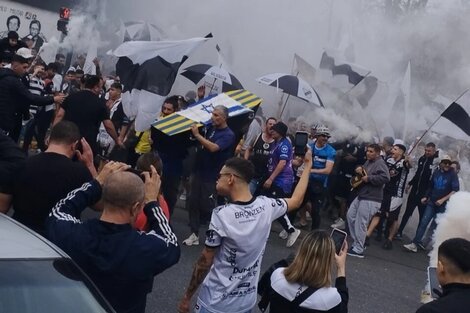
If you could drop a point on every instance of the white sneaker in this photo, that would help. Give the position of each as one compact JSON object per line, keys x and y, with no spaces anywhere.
{"x":339,"y":223}
{"x":192,"y":240}
{"x":283,"y":234}
{"x":411,"y":247}
{"x":292,"y":238}
{"x":183,"y":196}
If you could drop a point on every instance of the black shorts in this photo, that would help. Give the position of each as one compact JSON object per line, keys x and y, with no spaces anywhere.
{"x":342,"y":188}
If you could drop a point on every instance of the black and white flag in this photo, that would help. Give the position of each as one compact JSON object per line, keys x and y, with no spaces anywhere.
{"x":459,"y":116}
{"x":352,"y":73}
{"x":147,"y":70}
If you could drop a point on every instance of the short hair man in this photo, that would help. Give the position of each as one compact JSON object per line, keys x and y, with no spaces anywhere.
{"x":418,"y":185}
{"x":35,"y":34}
{"x":368,"y":200}
{"x":15,"y":96}
{"x":453,"y":274}
{"x":48,"y":177}
{"x":13,"y":24}
{"x":120,"y":260}
{"x":87,"y":110}
{"x":217,"y":147}
{"x":230,"y":262}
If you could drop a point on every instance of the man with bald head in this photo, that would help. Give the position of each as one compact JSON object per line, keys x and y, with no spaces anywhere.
{"x":120,"y":260}
{"x":215,"y":148}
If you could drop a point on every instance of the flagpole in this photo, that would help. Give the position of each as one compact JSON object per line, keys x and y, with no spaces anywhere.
{"x":427,"y":130}
{"x":285,"y":103}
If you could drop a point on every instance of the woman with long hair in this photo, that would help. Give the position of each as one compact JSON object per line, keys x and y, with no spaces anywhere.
{"x":306,"y":284}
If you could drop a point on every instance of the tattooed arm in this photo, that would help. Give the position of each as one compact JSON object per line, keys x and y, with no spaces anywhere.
{"x":201,"y":268}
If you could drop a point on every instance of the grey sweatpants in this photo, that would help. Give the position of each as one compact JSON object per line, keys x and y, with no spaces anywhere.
{"x":360,"y":213}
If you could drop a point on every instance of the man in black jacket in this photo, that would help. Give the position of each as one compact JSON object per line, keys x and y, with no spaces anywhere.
{"x":453,"y":273}
{"x":120,"y":260}
{"x":15,"y":97}
{"x":419,"y":185}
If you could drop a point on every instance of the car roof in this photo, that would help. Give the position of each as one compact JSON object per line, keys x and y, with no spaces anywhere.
{"x":19,"y":242}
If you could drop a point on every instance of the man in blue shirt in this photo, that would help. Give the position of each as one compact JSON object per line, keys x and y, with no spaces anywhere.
{"x":444,"y":183}
{"x":323,"y":161}
{"x":281,"y":177}
{"x":216,"y":147}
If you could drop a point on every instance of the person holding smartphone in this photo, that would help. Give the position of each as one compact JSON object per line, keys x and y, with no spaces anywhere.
{"x":310,"y":275}
{"x":453,"y":274}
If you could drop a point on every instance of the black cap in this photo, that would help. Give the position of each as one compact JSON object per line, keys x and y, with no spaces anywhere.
{"x":13,"y":35}
{"x":280,"y":128}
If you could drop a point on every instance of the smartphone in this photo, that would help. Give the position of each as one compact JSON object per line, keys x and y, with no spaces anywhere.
{"x":300,"y":143}
{"x":339,"y":237}
{"x":434,"y":286}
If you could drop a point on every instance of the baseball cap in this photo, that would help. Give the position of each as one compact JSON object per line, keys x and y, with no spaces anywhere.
{"x":446,"y":158}
{"x":24,"y":53}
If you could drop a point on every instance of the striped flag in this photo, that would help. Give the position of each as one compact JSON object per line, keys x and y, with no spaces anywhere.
{"x":237,"y":102}
{"x":147,"y":70}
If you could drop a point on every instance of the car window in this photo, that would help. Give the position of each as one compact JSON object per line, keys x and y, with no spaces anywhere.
{"x":54,"y":286}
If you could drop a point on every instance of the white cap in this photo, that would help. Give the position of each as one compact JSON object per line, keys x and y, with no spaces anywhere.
{"x":398,"y":142}
{"x":24,"y":53}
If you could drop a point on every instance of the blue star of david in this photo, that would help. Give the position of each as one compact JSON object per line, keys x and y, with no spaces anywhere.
{"x":208,"y":108}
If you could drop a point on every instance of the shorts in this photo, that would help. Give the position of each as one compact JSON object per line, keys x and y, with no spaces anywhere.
{"x":390,"y":208}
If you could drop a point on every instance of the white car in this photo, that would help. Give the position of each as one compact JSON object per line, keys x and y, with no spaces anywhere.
{"x":36,"y":276}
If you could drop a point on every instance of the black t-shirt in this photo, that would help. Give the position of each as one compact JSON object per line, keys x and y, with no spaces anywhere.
{"x":45,"y":179}
{"x":87,"y":110}
{"x":260,"y":156}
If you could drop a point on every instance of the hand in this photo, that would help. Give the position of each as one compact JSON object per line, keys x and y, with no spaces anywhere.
{"x":183,"y":306}
{"x":340,"y":260}
{"x":365,"y":179}
{"x":152,"y":185}
{"x":407,"y":189}
{"x":424,"y":200}
{"x":120,"y":143}
{"x":96,"y":61}
{"x":267,"y":184}
{"x":85,"y":156}
{"x":195,"y":130}
{"x":110,"y":168}
{"x":201,"y":91}
{"x":308,"y":157}
{"x":59,"y":99}
{"x":359,"y":170}
{"x":439,"y":202}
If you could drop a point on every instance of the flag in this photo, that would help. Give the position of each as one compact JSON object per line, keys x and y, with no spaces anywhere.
{"x":400,"y":109}
{"x":147,"y":70}
{"x":304,"y":70}
{"x":353,"y":73}
{"x":459,"y":116}
{"x":237,"y":102}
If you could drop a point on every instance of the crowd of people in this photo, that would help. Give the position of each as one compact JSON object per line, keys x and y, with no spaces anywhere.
{"x":88,"y":154}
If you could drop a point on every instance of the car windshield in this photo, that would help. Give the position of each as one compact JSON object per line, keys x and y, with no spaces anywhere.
{"x":53,"y":286}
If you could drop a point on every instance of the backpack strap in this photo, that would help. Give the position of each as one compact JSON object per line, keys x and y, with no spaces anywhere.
{"x":303,"y":296}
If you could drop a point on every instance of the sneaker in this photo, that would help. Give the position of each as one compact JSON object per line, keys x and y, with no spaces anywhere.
{"x":283,"y":234}
{"x":292,"y":237}
{"x":367,"y":242}
{"x":411,"y":247}
{"x":353,"y":253}
{"x":192,"y":240}
{"x":339,"y":223}
{"x":387,"y":245}
{"x":309,"y":217}
{"x":183,"y":196}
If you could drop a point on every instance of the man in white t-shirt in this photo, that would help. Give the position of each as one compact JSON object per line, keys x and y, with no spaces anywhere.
{"x":229,"y":266}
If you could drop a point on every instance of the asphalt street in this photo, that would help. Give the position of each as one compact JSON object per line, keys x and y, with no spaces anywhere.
{"x":385,"y":281}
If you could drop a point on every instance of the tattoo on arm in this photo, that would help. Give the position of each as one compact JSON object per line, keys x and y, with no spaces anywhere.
{"x":201,"y":268}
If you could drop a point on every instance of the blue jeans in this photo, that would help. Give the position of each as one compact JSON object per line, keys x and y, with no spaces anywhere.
{"x":430,"y":213}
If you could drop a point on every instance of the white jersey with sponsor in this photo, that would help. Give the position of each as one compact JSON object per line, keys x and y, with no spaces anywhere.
{"x":240,"y":231}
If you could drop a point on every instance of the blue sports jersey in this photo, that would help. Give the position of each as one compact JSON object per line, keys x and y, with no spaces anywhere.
{"x":282,"y":151}
{"x":320,"y":157}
